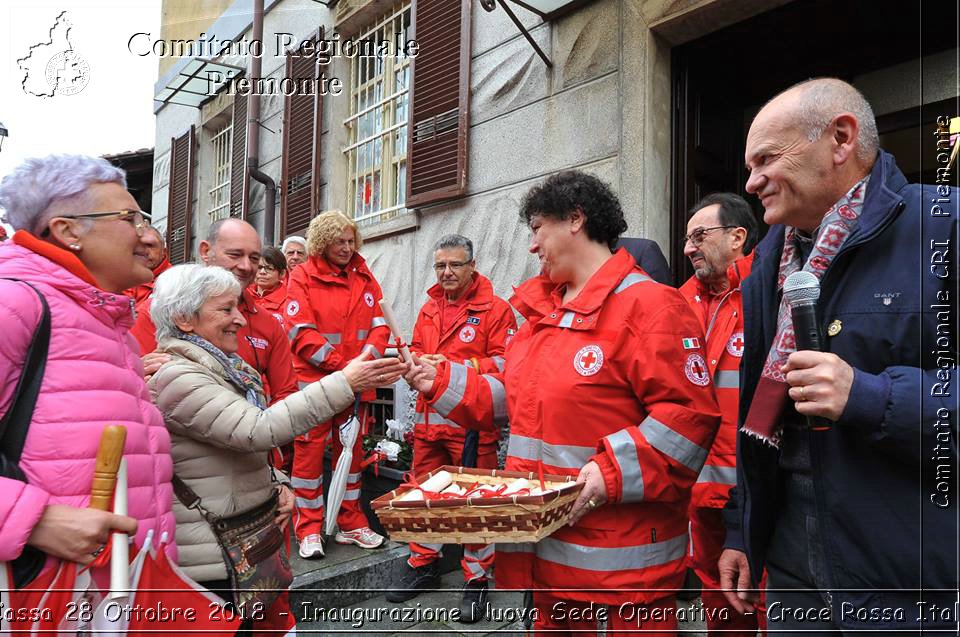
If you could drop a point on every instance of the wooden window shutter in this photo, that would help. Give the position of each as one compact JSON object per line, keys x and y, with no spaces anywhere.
{"x":440,"y":102}
{"x":180,"y":197}
{"x":239,"y":185}
{"x":300,"y":187}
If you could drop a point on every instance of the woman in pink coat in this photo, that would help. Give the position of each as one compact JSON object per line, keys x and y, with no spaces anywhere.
{"x":78,"y":242}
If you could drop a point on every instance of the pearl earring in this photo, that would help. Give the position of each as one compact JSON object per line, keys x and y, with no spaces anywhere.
{"x":74,"y":246}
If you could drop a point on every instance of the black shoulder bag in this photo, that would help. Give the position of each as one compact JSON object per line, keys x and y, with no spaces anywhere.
{"x":14,"y":426}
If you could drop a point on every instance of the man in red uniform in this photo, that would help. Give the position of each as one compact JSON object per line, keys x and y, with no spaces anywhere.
{"x":233,"y":244}
{"x":156,"y":260}
{"x":462,"y":321}
{"x":721,"y":234}
{"x":333,"y":315}
{"x":605,"y":381}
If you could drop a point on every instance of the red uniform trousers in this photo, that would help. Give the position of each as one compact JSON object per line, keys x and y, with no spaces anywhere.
{"x":477,"y":559}
{"x":559,"y":616}
{"x":307,"y":479}
{"x":707,"y":535}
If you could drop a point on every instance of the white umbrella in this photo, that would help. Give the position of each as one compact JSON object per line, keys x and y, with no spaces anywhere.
{"x":338,"y":481}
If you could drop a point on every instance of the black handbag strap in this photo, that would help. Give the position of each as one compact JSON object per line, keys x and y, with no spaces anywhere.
{"x":16,"y":422}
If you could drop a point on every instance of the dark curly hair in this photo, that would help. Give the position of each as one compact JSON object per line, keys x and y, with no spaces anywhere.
{"x":563,"y":193}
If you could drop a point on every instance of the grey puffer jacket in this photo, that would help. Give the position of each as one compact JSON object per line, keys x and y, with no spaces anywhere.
{"x":219,"y":442}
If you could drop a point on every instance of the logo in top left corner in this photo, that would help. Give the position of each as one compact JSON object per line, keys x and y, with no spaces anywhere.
{"x":53,"y":67}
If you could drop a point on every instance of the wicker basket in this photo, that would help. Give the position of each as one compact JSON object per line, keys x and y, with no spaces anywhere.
{"x":510,"y":519}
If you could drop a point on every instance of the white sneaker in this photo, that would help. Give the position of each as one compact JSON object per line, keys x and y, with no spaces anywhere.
{"x":311,"y":546}
{"x":365,"y":538}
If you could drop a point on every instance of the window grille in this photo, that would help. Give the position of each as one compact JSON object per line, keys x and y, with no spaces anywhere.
{"x":222,"y":157}
{"x":379,"y":106}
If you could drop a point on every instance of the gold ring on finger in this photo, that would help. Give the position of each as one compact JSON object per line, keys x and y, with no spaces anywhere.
{"x":803,"y":397}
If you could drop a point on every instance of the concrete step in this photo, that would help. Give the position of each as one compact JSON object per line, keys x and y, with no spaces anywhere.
{"x":433,"y":612}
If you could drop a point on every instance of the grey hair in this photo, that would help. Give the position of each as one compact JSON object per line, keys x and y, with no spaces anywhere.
{"x":821,"y":99}
{"x":293,"y":239}
{"x":455,"y":241}
{"x":181,"y":291}
{"x":28,"y":193}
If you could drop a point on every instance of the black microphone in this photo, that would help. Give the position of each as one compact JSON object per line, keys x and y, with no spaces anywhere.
{"x":802,"y":290}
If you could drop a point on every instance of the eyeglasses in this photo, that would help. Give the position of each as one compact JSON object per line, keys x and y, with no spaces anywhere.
{"x":697,"y":236}
{"x":456,"y":266}
{"x":139,"y":219}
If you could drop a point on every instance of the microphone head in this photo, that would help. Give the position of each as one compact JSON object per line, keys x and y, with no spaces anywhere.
{"x":801,"y":287}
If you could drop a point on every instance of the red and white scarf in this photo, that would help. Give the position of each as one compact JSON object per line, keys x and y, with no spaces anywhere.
{"x":764,"y":418}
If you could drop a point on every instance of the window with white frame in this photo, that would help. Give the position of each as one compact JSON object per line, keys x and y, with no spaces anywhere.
{"x":379,"y":107}
{"x":222,"y":145}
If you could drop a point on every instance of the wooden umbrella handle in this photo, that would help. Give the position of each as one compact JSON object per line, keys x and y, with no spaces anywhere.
{"x":105,"y":470}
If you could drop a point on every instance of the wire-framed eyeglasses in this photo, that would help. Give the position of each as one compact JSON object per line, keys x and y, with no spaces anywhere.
{"x":697,"y":236}
{"x":137,"y":218}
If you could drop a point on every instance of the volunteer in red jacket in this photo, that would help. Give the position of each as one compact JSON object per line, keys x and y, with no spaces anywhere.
{"x":269,"y":288}
{"x":333,"y":315}
{"x":462,"y":321}
{"x":156,"y":252}
{"x":605,"y":381}
{"x":721,"y":234}
{"x":234,"y":245}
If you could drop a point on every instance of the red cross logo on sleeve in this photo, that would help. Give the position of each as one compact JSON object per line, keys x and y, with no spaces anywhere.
{"x":696,"y":370}
{"x":588,"y":360}
{"x":735,"y":344}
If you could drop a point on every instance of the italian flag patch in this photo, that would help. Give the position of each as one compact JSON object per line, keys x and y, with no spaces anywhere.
{"x":691,"y":343}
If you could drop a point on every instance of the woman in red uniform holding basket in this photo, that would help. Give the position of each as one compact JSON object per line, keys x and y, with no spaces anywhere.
{"x":605,"y":381}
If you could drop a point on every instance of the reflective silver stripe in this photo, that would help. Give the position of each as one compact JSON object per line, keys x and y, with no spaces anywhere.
{"x":669,"y":442}
{"x":720,"y":475}
{"x":321,"y":354}
{"x":485,"y":551}
{"x":431,"y":547}
{"x":630,"y":279}
{"x":566,"y":456}
{"x":362,"y":335}
{"x":499,"y":361}
{"x":517,"y":547}
{"x":474,"y":568}
{"x":566,"y":320}
{"x":499,"y":396}
{"x":727,"y":379}
{"x":302,"y":384}
{"x":453,"y":394}
{"x":373,"y":351}
{"x":351,"y":494}
{"x":304,"y":503}
{"x":300,"y":326}
{"x":435,"y":419}
{"x":622,"y":558}
{"x":332,"y":338}
{"x":378,"y":321}
{"x":631,"y":476}
{"x":353,"y":477}
{"x":306,"y":483}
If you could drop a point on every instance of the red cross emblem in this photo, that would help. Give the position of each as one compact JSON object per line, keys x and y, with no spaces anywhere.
{"x":696,"y":370}
{"x":368,"y":299}
{"x":735,"y":344}
{"x":467,"y":334}
{"x":588,"y":360}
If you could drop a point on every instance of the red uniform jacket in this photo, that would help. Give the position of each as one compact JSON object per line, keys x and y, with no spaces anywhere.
{"x":273,"y":302}
{"x":332,"y":316}
{"x":142,"y":291}
{"x":722,"y":321}
{"x":612,"y":376}
{"x":480,"y":332}
{"x":262,"y":345}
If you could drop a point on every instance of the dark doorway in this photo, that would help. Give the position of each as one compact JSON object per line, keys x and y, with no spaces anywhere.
{"x":721,"y":80}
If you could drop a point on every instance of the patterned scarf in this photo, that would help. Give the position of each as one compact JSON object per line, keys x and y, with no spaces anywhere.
{"x":764,"y":418}
{"x":249,"y":384}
